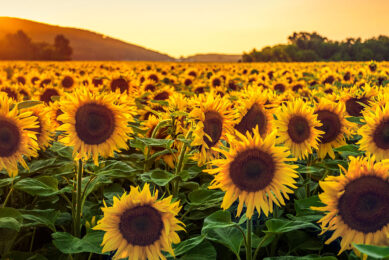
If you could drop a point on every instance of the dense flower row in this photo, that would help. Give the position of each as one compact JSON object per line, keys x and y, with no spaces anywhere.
{"x":247,"y":125}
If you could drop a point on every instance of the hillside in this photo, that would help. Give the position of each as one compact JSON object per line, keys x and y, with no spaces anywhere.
{"x":213,"y":57}
{"x":86,"y":45}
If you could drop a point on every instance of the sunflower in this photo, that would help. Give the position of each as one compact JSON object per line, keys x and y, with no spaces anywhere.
{"x":46,"y":93}
{"x":297,"y":128}
{"x":94,"y":124}
{"x":214,"y":120}
{"x":280,"y":86}
{"x":149,"y":86}
{"x":253,"y":113}
{"x":44,"y":129}
{"x":20,"y":79}
{"x":34,"y":77}
{"x":354,"y":98}
{"x":139,"y":226}
{"x":152,"y":75}
{"x":375,"y":134}
{"x":334,"y":125}
{"x":11,"y":91}
{"x":68,"y":82}
{"x":216,"y":81}
{"x":16,"y":140}
{"x":54,"y":110}
{"x":163,"y":93}
{"x":298,"y":86}
{"x":120,"y":84}
{"x":357,"y":203}
{"x":328,"y":78}
{"x":24,"y":92}
{"x":254,"y":170}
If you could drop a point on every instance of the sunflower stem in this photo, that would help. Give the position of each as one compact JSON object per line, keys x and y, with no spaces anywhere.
{"x":180,"y":164}
{"x":259,"y":246}
{"x":8,"y":196}
{"x":248,"y":239}
{"x":32,"y":239}
{"x":77,"y":226}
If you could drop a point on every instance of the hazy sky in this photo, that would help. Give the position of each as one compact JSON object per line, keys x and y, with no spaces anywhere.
{"x":185,"y":27}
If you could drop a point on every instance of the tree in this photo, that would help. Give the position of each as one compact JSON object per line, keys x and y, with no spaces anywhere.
{"x":62,"y":49}
{"x":305,"y":46}
{"x":19,"y":46}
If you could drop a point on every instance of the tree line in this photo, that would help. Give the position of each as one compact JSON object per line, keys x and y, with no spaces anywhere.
{"x":304,"y":46}
{"x":19,"y":46}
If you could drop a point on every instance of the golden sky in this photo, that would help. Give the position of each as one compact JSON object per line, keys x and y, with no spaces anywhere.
{"x":186,"y":27}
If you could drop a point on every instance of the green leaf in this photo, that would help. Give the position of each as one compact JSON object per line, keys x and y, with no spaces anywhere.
{"x":158,"y":176}
{"x":218,"y":219}
{"x":38,"y":165}
{"x":230,"y":237}
{"x":10,"y":218}
{"x":10,"y":223}
{"x":178,"y":113}
{"x":6,"y":182}
{"x":62,"y":150}
{"x":42,"y":186}
{"x":284,"y":225}
{"x":157,"y":142}
{"x":188,"y":244}
{"x":29,"y":103}
{"x":355,"y":119}
{"x":349,"y":150}
{"x":303,"y":206}
{"x":116,"y":169}
{"x":68,"y":244}
{"x":199,"y":197}
{"x":40,"y":217}
{"x":203,"y":251}
{"x":373,"y":251}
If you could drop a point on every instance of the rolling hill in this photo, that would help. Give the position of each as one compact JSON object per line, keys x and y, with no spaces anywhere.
{"x":86,"y":45}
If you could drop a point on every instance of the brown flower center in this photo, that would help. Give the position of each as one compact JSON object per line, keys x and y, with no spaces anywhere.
{"x":297,"y":87}
{"x":162,"y":96}
{"x":331,"y":125}
{"x":254,"y":117}
{"x":21,"y":80}
{"x":48,"y":94}
{"x":97,"y":82}
{"x":67,"y":82}
{"x":298,"y":129}
{"x":45,"y":82}
{"x":10,"y":93}
{"x":329,"y":80}
{"x":213,"y":126}
{"x":381,"y":135}
{"x":216,"y":82}
{"x":364,"y":205}
{"x":119,"y":83}
{"x":9,"y":138}
{"x":252,"y":170}
{"x":95,"y":123}
{"x":150,"y":87}
{"x":353,"y":108}
{"x":279,"y":87}
{"x":141,"y":226}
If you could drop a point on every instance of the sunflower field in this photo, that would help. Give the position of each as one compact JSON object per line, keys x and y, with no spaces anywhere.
{"x":143,"y":160}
